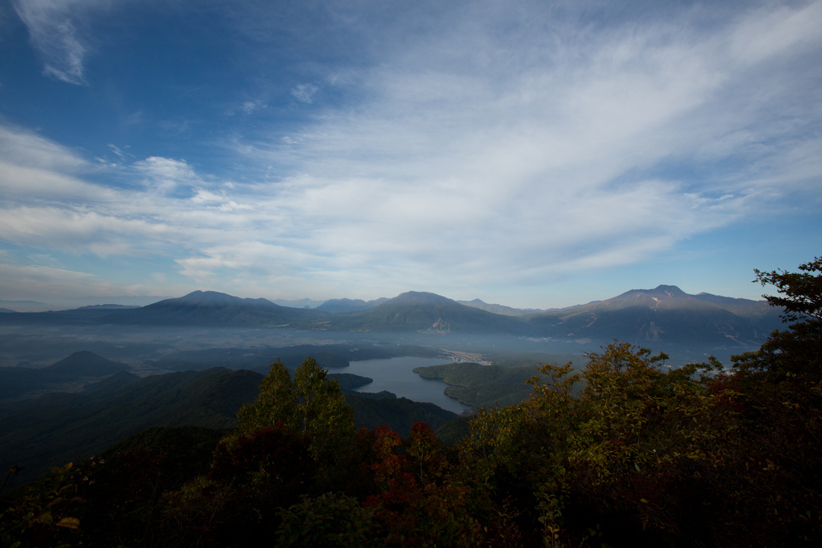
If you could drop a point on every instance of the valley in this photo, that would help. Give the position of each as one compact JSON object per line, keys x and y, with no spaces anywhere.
{"x":74,"y":382}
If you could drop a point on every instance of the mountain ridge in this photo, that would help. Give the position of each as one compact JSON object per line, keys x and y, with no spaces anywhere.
{"x":665,"y":313}
{"x":425,"y":312}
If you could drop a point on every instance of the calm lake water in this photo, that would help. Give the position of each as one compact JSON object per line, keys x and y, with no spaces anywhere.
{"x":396,"y":375}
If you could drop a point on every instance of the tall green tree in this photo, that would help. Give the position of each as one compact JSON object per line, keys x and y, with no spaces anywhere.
{"x":777,"y":393}
{"x":797,"y":350}
{"x":310,"y":404}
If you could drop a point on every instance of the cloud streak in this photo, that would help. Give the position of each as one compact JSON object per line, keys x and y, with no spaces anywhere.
{"x":456,"y":156}
{"x":52,"y":25}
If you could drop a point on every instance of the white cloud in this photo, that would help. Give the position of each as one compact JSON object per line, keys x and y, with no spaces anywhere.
{"x":468,"y":160}
{"x":52,"y":25}
{"x":304,"y":92}
{"x":166,"y":175}
{"x":248,"y":107}
{"x":777,"y":31}
{"x":27,"y":149}
{"x":526,"y":165}
{"x":61,"y":285}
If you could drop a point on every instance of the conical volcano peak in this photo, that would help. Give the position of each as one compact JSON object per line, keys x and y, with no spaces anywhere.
{"x":671,"y":290}
{"x":659,"y":292}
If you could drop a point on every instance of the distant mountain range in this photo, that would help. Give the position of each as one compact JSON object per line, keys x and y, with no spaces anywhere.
{"x":501,"y":308}
{"x":298,"y":303}
{"x":342,"y":306}
{"x":206,"y":308}
{"x":664,"y":314}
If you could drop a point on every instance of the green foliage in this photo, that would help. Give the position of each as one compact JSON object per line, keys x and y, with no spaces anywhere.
{"x":311,"y":404}
{"x":397,"y":413}
{"x":802,"y":291}
{"x":608,"y":451}
{"x":331,"y":519}
{"x":252,"y":476}
{"x":46,"y":514}
{"x":797,"y":350}
{"x":454,"y":430}
{"x":773,"y":478}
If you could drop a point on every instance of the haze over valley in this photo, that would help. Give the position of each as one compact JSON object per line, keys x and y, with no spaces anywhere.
{"x":382,"y":352}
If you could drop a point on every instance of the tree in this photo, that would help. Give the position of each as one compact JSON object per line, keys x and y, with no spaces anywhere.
{"x":601,"y":451}
{"x":770,"y":473}
{"x":312,"y":405}
{"x":796,"y":351}
{"x":802,"y":290}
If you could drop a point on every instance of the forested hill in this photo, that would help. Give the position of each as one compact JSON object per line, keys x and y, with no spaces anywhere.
{"x":17,"y":382}
{"x":60,"y":427}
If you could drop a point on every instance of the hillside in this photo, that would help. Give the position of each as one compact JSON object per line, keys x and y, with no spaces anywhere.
{"x":342,"y":306}
{"x":16,"y":382}
{"x":482,"y":385}
{"x":60,"y":427}
{"x":396,"y":413}
{"x":83,"y":364}
{"x":665,"y":314}
{"x":203,"y":308}
{"x":500,"y":308}
{"x":57,"y":428}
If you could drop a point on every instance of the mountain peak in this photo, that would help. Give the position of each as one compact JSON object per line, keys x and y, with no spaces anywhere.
{"x":207,"y":296}
{"x":213,"y":299}
{"x":671,"y":290}
{"x":663,"y":291}
{"x":420,"y":297}
{"x":85,"y":363}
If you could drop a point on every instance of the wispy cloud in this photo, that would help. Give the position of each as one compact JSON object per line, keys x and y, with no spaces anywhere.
{"x":53,"y":27}
{"x":304,"y":93}
{"x":62,"y":285}
{"x":557,"y":154}
{"x":462,"y":158}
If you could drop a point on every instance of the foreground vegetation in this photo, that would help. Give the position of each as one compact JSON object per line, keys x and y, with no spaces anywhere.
{"x":623,"y":453}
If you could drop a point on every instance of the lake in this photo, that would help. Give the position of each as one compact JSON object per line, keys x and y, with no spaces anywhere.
{"x":396,"y":375}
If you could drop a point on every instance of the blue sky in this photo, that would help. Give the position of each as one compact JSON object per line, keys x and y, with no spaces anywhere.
{"x":530,"y":153}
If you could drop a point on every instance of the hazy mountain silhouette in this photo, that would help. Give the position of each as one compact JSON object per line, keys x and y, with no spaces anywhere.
{"x":213,"y":308}
{"x":16,"y":382}
{"x":427,"y":312}
{"x":501,"y":308}
{"x":341,"y":306}
{"x":665,"y":313}
{"x":83,"y":364}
